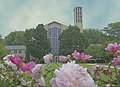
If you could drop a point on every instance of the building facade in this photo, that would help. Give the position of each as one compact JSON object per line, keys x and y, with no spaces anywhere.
{"x":17,"y":50}
{"x":54,"y":29}
{"x":78,"y":18}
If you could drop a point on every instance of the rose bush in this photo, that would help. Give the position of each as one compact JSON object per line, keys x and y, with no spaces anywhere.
{"x":15,"y":73}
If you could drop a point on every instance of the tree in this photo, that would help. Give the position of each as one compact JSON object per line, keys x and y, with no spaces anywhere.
{"x":0,"y":36}
{"x":112,"y":30}
{"x":71,"y":39}
{"x":94,"y":36}
{"x":37,"y":42}
{"x":15,"y":38}
{"x":98,"y":52}
{"x":1,"y":40}
{"x":3,"y":51}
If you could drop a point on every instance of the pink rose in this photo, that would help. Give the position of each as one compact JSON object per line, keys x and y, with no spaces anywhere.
{"x":72,"y":75}
{"x":116,"y":61}
{"x":64,"y":58}
{"x":113,"y":47}
{"x":81,"y":56}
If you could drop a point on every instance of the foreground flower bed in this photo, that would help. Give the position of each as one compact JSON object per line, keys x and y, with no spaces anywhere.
{"x":15,"y":73}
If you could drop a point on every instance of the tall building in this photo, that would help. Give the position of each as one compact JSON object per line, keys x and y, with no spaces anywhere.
{"x":54,"y":30}
{"x":78,"y":18}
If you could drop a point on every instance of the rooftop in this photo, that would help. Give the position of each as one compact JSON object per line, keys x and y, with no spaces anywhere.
{"x":16,"y":47}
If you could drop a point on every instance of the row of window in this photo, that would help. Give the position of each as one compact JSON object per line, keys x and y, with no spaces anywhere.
{"x":54,"y":32}
{"x":78,"y":8}
{"x":17,"y":51}
{"x":55,"y":50}
{"x":78,"y":13}
{"x":53,"y":35}
{"x":79,"y":20}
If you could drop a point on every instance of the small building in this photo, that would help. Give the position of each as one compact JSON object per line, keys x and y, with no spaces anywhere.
{"x":19,"y":50}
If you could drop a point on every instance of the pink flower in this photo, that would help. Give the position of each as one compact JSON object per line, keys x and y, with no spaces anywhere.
{"x":47,"y":59}
{"x":40,"y":83}
{"x":53,"y":82}
{"x":107,"y":85}
{"x":86,"y":57}
{"x":6,"y":58}
{"x":72,"y":75}
{"x":97,"y":69}
{"x":113,"y":47}
{"x":97,"y":75}
{"x":116,"y":61}
{"x":17,"y":60}
{"x":25,"y":68}
{"x":76,"y":54}
{"x":118,"y":53}
{"x":81,"y":56}
{"x":64,"y":58}
{"x":38,"y":69}
{"x":37,"y":72}
{"x":100,"y":67}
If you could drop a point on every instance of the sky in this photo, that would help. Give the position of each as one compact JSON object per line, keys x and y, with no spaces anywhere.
{"x":19,"y":15}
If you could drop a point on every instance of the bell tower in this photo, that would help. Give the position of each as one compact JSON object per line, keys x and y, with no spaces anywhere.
{"x":78,"y":18}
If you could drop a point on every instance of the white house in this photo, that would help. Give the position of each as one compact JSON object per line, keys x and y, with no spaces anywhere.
{"x":19,"y":50}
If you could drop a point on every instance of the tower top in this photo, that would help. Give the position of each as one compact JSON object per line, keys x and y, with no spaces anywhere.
{"x":78,"y":7}
{"x":78,"y":18}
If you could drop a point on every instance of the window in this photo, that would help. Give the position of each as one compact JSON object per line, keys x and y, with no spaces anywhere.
{"x":59,"y":32}
{"x":20,"y":51}
{"x":54,"y":41}
{"x":81,"y":20}
{"x":15,"y":51}
{"x":54,"y":32}
{"x":53,"y":35}
{"x":49,"y":33}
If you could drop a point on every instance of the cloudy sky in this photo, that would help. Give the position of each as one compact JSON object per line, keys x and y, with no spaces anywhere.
{"x":18,"y":15}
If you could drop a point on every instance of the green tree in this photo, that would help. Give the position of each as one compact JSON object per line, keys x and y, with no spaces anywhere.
{"x":0,"y":36}
{"x":94,"y":36}
{"x":3,"y":51}
{"x":37,"y":42}
{"x":15,"y":38}
{"x":112,"y":30}
{"x":98,"y":52}
{"x":71,"y":39}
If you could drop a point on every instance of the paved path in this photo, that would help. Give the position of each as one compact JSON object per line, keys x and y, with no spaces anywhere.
{"x":102,"y":65}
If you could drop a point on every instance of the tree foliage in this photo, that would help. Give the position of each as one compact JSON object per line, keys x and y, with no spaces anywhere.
{"x":37,"y":42}
{"x":71,"y":39}
{"x":98,"y":52}
{"x":3,"y":51}
{"x":112,"y":30}
{"x":15,"y":38}
{"x":94,"y":36}
{"x":0,"y":36}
